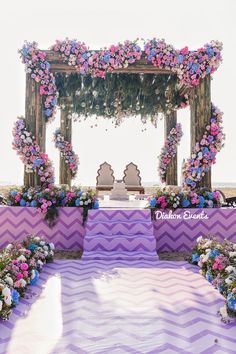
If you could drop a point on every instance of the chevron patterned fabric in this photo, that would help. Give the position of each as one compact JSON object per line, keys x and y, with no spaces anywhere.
{"x":112,"y":306}
{"x":68,"y":233}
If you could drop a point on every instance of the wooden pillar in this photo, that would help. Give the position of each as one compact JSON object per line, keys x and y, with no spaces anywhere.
{"x":66,"y":131}
{"x":35,"y":123}
{"x":171,"y":175}
{"x":200,"y":106}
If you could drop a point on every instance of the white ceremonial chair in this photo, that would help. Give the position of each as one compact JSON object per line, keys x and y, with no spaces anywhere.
{"x":132,"y":178}
{"x":105,"y":177}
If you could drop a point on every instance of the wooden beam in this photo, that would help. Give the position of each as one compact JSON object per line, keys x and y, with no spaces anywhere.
{"x":35,"y":123}
{"x":66,"y":131}
{"x":200,"y":107}
{"x":171,"y":175}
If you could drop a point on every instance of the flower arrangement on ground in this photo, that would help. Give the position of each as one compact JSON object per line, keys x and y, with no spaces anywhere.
{"x":169,"y":199}
{"x":218,"y":265}
{"x":20,"y":265}
{"x":49,"y":199}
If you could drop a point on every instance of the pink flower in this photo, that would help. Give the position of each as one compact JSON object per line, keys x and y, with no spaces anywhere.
{"x":19,"y":276}
{"x":24,"y":266}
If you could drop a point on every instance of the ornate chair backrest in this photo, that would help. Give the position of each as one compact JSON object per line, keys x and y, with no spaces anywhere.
{"x":105,"y":175}
{"x":132,"y":175}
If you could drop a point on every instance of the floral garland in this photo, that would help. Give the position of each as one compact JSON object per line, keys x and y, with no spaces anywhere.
{"x":30,"y":154}
{"x":99,"y":62}
{"x":65,"y":148}
{"x":47,"y":200}
{"x":204,"y":154}
{"x":39,"y":69}
{"x":190,"y":66}
{"x":168,"y":198}
{"x":169,"y":150}
{"x":217,"y":262}
{"x":20,"y":264}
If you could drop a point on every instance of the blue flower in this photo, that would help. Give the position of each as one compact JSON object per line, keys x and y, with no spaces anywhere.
{"x":77,"y":202}
{"x":185,"y":203}
{"x":153,"y":202}
{"x":22,"y":202}
{"x":79,"y":193}
{"x":62,"y":194}
{"x":24,"y":51}
{"x":209,"y":276}
{"x":35,"y":279}
{"x":33,"y":203}
{"x":231,"y":301}
{"x":15,"y":296}
{"x":180,"y":59}
{"x":195,"y":257}
{"x":106,"y":58}
{"x":210,"y":51}
{"x":210,"y":195}
{"x":38,"y":162}
{"x":32,"y":247}
{"x":13,"y":193}
{"x":195,"y":67}
{"x":201,"y":201}
{"x":214,"y":253}
{"x":153,"y":52}
{"x":96,"y":205}
{"x":48,"y":112}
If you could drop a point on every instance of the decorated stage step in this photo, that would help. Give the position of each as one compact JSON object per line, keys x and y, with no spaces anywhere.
{"x":120,"y":242}
{"x":102,"y":215}
{"x":119,"y":234}
{"x":121,"y":255}
{"x":119,"y":228}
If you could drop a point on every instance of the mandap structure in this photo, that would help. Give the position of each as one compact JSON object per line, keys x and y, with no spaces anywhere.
{"x":121,"y":81}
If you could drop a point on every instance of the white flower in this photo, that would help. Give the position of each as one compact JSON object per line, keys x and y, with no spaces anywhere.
{"x":6,"y":293}
{"x":199,"y":239}
{"x":175,"y":205}
{"x":32,"y":274}
{"x":234,"y":246}
{"x":21,"y":258}
{"x":9,"y":280}
{"x":46,"y":253}
{"x":81,"y":202}
{"x":232,"y":254}
{"x":45,"y":248}
{"x":36,"y":239}
{"x":40,"y":263}
{"x":51,"y":253}
{"x":86,"y":202}
{"x":52,"y":246}
{"x":230,"y":269}
{"x":42,"y":243}
{"x":9,"y":247}
{"x":1,"y":304}
{"x":22,"y":283}
{"x":228,"y":280}
{"x":207,"y":244}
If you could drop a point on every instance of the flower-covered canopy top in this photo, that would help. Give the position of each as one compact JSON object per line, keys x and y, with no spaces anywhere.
{"x":190,"y":66}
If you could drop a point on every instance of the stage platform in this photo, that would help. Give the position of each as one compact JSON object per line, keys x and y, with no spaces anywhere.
{"x":173,"y":231}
